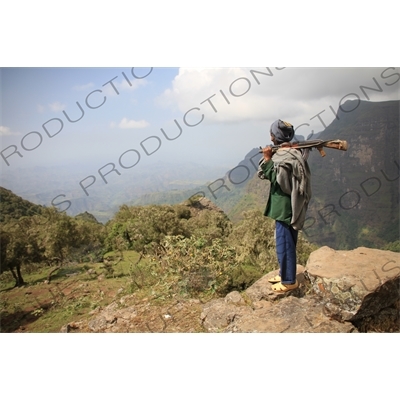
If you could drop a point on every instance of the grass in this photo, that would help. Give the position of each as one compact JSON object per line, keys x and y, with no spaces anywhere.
{"x":73,"y":291}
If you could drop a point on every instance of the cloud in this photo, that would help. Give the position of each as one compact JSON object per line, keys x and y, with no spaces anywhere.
{"x":56,"y":106}
{"x":231,"y":95}
{"x":6,"y":131}
{"x":115,"y":86}
{"x":126,"y":123}
{"x":84,"y":87}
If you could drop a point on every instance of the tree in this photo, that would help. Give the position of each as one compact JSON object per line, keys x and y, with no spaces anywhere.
{"x":138,"y":226}
{"x":209,"y":224}
{"x":13,"y":254}
{"x":50,"y":236}
{"x":91,"y":236}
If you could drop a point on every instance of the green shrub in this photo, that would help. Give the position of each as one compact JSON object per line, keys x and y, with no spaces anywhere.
{"x":196,"y":265}
{"x":253,"y":239}
{"x":244,"y":276}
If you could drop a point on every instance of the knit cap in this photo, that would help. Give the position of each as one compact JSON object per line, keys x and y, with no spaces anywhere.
{"x":283,"y":131}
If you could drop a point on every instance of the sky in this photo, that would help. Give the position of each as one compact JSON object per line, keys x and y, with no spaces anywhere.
{"x":135,"y":115}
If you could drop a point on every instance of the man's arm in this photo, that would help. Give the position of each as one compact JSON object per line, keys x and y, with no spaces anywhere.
{"x":266,"y":166}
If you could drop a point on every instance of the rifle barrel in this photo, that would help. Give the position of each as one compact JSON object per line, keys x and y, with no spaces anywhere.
{"x":309,"y":144}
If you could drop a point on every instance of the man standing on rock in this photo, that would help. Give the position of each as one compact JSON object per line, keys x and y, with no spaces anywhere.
{"x":290,"y":193}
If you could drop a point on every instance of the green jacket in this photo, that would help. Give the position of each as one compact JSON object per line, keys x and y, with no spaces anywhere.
{"x":279,"y":203}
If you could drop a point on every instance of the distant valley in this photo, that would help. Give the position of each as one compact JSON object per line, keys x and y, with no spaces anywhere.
{"x":41,"y":185}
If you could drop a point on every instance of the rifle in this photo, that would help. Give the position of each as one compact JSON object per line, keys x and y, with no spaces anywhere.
{"x":311,"y":144}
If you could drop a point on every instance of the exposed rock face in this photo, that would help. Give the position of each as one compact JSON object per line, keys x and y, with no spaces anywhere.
{"x":291,"y":314}
{"x":355,"y":284}
{"x":339,"y":291}
{"x":259,"y":309}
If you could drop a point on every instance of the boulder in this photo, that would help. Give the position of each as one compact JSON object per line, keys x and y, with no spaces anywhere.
{"x":354,"y":284}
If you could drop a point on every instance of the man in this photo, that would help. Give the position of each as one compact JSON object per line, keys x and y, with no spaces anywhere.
{"x":290,"y":192}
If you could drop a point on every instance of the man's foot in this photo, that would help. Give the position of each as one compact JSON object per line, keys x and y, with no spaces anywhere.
{"x":281,"y":288}
{"x":275,"y":279}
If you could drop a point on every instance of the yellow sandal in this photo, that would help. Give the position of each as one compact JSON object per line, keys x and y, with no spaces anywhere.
{"x":275,"y":279}
{"x":281,"y":288}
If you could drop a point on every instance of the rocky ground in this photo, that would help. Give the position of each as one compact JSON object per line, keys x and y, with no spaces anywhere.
{"x":339,"y":291}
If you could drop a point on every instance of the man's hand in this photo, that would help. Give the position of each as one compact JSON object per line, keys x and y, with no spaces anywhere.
{"x":267,"y":153}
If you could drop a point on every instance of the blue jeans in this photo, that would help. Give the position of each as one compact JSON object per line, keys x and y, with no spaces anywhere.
{"x":286,"y":240}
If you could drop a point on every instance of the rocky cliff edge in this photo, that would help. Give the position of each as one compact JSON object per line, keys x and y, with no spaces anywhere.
{"x":339,"y":291}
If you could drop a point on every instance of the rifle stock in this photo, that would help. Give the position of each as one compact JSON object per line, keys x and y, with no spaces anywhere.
{"x":310,"y":144}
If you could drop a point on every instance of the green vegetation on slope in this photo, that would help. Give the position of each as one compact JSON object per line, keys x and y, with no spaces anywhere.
{"x":190,"y":250}
{"x":15,"y":207}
